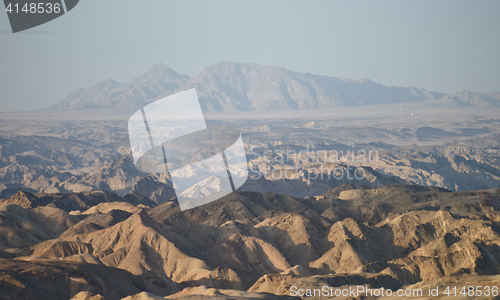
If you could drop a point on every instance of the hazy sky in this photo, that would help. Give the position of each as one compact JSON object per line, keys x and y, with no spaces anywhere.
{"x":444,"y":46}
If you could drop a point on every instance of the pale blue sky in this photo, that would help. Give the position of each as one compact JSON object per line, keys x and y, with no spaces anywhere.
{"x":444,"y":46}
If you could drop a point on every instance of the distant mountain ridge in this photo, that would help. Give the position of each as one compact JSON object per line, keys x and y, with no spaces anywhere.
{"x":158,"y":80}
{"x":232,"y":87}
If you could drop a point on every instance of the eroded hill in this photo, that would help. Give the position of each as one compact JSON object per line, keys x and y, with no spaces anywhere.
{"x":247,"y":245}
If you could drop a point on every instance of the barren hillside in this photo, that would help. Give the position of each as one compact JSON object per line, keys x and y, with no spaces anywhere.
{"x":246,"y":245}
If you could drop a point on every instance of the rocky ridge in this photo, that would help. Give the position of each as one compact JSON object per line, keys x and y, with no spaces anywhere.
{"x":251,"y":245}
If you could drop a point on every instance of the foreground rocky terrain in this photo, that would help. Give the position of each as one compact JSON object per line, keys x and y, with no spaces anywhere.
{"x":247,"y":245}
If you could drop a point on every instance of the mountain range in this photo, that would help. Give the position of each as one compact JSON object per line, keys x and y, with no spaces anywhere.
{"x":236,"y":87}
